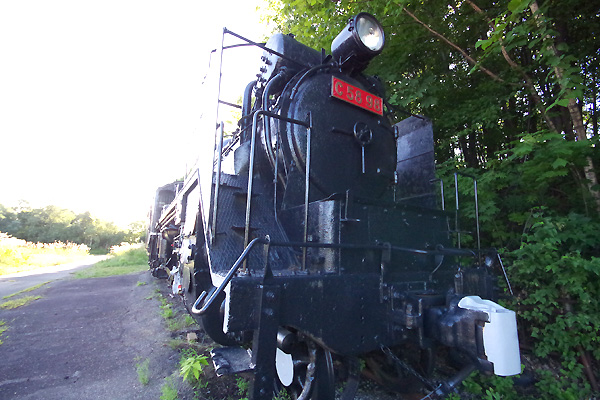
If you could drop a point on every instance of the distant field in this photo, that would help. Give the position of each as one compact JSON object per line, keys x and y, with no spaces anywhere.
{"x":17,"y":255}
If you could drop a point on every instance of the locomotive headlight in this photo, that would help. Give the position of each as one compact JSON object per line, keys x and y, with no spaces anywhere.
{"x":370,"y":32}
{"x":360,"y":40}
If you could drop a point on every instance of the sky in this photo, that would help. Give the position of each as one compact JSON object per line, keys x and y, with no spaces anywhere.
{"x":101,"y":101}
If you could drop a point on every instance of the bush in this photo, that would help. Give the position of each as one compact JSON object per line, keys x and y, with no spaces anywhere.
{"x":557,"y":274}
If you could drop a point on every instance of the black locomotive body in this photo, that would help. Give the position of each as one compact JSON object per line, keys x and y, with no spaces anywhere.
{"x":325,"y":241}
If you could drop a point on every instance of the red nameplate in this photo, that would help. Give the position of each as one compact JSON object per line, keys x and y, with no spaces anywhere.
{"x":353,"y":95}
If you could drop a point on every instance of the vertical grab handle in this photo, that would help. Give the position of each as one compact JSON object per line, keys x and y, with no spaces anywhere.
{"x":476,"y":208}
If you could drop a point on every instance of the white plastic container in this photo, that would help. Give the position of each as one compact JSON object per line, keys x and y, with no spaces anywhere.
{"x":500,"y":339}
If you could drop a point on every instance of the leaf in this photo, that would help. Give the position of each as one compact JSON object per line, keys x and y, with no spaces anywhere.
{"x":561,"y":102}
{"x":559,"y":162}
{"x":483,"y":43}
{"x":517,"y":6}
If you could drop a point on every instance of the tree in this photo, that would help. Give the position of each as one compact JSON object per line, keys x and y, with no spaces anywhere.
{"x":51,"y":223}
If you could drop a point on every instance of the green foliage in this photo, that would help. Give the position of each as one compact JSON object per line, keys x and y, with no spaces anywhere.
{"x":492,"y":388}
{"x":243,"y":386}
{"x":558,"y":271}
{"x":51,"y":224}
{"x":167,"y":312}
{"x":3,"y":328}
{"x":169,"y":392}
{"x":30,"y":289}
{"x":143,"y":371}
{"x":136,"y":232}
{"x":283,"y":395}
{"x":191,"y":365}
{"x":19,"y":302}
{"x":189,"y":320}
{"x":518,"y":27}
{"x":131,"y":260}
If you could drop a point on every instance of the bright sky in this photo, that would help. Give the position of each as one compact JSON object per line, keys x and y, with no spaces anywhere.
{"x":100,"y":101}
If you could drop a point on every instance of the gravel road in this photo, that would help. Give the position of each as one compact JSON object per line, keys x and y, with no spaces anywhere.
{"x":82,"y":340}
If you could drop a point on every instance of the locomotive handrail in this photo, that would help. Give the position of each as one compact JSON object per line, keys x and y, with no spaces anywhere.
{"x":219,"y":157}
{"x":439,"y":251}
{"x":225,"y":282}
{"x":476,"y":207}
{"x":265,"y":48}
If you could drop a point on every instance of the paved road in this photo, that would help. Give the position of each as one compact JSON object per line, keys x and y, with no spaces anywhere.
{"x":81,"y":340}
{"x":14,"y":283}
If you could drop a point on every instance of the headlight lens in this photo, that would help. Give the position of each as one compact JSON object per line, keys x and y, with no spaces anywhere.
{"x":369,"y":32}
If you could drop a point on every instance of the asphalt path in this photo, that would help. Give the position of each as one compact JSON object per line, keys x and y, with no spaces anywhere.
{"x":83,"y":338}
{"x":13,"y":283}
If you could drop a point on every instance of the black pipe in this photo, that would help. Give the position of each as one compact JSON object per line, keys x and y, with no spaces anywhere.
{"x":246,"y":110}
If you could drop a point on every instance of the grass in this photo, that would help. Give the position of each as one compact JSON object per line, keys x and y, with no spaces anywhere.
{"x":168,"y":390}
{"x":12,"y":304}
{"x":143,"y":371}
{"x":125,"y":259}
{"x":18,"y":255}
{"x":189,"y":320}
{"x":167,"y":312}
{"x":3,"y":329}
{"x":26,"y":290}
{"x":174,"y":322}
{"x":179,"y":323}
{"x":177,"y":344}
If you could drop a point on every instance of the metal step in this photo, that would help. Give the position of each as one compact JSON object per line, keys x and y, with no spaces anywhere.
{"x":231,"y":360}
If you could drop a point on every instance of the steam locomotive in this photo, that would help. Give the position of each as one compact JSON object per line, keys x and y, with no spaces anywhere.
{"x":323,"y":242}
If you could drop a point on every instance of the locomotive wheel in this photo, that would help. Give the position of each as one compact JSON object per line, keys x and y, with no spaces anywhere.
{"x":306,"y":372}
{"x":212,"y":321}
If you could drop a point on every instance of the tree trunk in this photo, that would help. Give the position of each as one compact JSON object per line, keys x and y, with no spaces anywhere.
{"x":576,"y":117}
